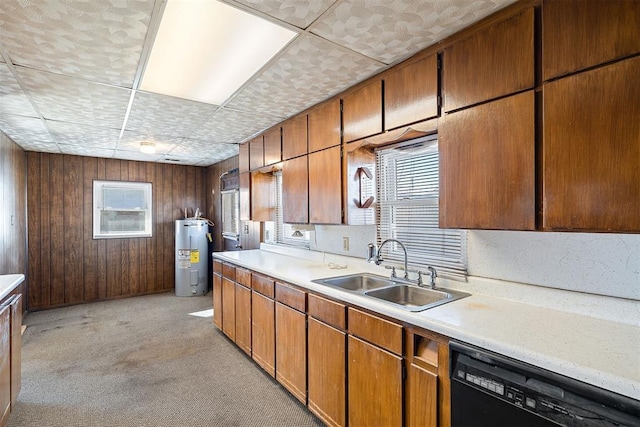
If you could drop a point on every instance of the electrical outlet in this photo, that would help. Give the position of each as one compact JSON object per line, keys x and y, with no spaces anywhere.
{"x":246,"y":228}
{"x":345,"y":243}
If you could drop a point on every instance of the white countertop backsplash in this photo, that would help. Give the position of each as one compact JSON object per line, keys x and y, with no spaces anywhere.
{"x":591,"y":338}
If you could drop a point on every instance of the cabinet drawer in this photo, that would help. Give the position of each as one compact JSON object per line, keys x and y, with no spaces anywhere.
{"x":292,"y":297}
{"x":217,"y":266}
{"x":330,"y":312}
{"x":378,"y":331}
{"x":229,"y":271}
{"x":243,"y":276}
{"x":263,"y":285}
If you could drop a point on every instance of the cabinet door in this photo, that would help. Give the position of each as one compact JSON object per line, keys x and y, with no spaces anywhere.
{"x":422,"y":397}
{"x":5,"y":364}
{"x":245,"y":196}
{"x":325,"y":187}
{"x":487,"y":165}
{"x":324,"y":126}
{"x":591,"y":150}
{"x":327,"y":372}
{"x":294,"y":137}
{"x":411,"y":93}
{"x":495,"y":62}
{"x":373,"y":399}
{"x":243,"y":158}
{"x":229,"y":308}
{"x":243,"y":318}
{"x":263,"y":206}
{"x":217,"y":300}
{"x":362,"y":112}
{"x":272,"y":146}
{"x":263,"y":332}
{"x":291,"y":350}
{"x":16,"y":348}
{"x":578,"y":34}
{"x":256,"y":153}
{"x":295,"y":190}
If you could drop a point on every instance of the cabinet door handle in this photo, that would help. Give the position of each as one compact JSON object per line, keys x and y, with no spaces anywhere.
{"x":363,"y":170}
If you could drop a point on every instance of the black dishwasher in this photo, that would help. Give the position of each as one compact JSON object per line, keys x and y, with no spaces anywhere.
{"x":488,"y":389}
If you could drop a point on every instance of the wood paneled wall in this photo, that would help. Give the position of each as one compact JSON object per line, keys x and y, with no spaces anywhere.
{"x":66,"y":265}
{"x":13,"y":200}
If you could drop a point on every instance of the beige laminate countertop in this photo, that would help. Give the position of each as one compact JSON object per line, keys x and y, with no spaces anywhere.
{"x":597,"y":351}
{"x":8,"y":282}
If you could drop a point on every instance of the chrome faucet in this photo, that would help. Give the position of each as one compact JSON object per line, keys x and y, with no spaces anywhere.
{"x":374,"y":254}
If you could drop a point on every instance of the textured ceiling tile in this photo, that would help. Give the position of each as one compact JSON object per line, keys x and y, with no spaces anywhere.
{"x":12,"y":98}
{"x":178,"y":160}
{"x":74,"y":100}
{"x":81,"y":150}
{"x":166,"y":115}
{"x":25,"y":130}
{"x":90,"y":136}
{"x":309,"y":71}
{"x":131,"y":141}
{"x":43,"y":147}
{"x":389,"y":30}
{"x":204,"y":150}
{"x":137,"y":155}
{"x":300,"y":13}
{"x":99,"y":40}
{"x":229,"y":126}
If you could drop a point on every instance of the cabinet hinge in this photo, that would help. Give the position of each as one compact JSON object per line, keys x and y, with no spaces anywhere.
{"x":404,"y":372}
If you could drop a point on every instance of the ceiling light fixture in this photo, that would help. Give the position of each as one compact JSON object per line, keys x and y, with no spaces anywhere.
{"x":148,"y":147}
{"x":206,"y":50}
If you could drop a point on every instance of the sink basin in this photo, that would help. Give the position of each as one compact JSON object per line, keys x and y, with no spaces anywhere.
{"x":413,"y":298}
{"x":356,"y":282}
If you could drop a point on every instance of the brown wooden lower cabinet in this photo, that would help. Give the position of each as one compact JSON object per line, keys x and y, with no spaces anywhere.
{"x":229,"y":308}
{"x":327,"y":372}
{"x":291,"y":350}
{"x":5,"y":364}
{"x":422,"y":397}
{"x":375,"y":385}
{"x":263,"y":332}
{"x":217,"y":300}
{"x":243,"y":318}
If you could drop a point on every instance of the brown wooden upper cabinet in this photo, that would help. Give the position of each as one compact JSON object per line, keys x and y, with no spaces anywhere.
{"x":243,"y":157}
{"x":578,"y":34}
{"x":362,"y":111}
{"x":324,"y":126}
{"x":494,"y":62}
{"x":256,"y":153}
{"x":245,"y":196}
{"x":262,"y":204}
{"x":295,"y":190}
{"x":591,"y":150}
{"x":294,"y":137}
{"x":487,"y":165}
{"x":325,"y":187}
{"x":272,"y":146}
{"x":411,"y":93}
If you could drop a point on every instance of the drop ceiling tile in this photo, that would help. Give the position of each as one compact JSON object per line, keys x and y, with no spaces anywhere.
{"x":309,"y":71}
{"x":203,"y":150}
{"x":137,"y":155}
{"x":95,"y":40}
{"x":131,"y":142}
{"x":74,"y":100}
{"x":389,"y":30}
{"x":91,"y":136}
{"x":231,"y":126}
{"x":43,"y":147}
{"x":179,"y":160}
{"x":166,"y":115}
{"x":25,"y":130}
{"x":300,"y":13}
{"x":12,"y":98}
{"x":82,"y":150}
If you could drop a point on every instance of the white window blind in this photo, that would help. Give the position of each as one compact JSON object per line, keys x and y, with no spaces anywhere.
{"x":286,"y":233}
{"x":231,"y":214}
{"x":407,"y":210}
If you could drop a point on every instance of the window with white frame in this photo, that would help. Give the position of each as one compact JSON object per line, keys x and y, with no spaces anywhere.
{"x":121,"y":209}
{"x":407,"y":209}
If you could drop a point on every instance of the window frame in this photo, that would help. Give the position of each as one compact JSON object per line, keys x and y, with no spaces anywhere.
{"x":98,"y":209}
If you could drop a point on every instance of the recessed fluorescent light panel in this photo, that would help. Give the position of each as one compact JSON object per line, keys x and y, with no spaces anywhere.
{"x":205,"y":50}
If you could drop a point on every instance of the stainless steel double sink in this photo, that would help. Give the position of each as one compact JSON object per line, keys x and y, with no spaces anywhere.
{"x":392,"y":291}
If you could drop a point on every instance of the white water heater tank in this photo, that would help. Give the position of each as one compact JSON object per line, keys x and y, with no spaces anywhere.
{"x":192,"y":255}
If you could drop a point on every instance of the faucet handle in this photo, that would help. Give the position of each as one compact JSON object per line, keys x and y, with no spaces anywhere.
{"x":433,"y":273}
{"x":393,"y":270}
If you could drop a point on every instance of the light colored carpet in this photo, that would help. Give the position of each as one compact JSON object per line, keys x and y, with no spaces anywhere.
{"x":143,"y":361}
